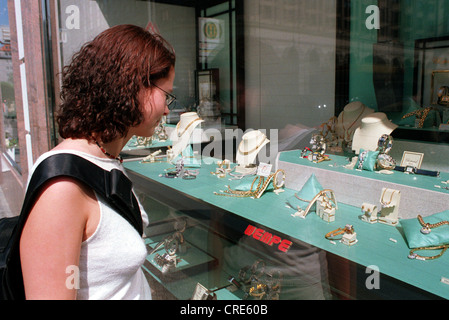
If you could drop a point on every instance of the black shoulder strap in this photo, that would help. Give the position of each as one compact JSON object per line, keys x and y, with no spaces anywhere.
{"x":113,"y":185}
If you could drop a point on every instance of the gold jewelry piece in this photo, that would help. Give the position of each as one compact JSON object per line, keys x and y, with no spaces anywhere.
{"x":414,"y":255}
{"x":346,"y":132}
{"x":187,"y":127}
{"x":258,"y":291}
{"x":420,"y":114}
{"x":264,"y":137}
{"x":348,"y":229}
{"x":262,"y":184}
{"x":382,"y":201}
{"x":322,"y":193}
{"x":427,"y":227}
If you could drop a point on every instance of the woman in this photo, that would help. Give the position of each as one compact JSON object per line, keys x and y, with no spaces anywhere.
{"x":118,"y":85}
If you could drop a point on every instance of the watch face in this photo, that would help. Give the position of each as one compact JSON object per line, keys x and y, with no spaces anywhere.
{"x":385,"y":161}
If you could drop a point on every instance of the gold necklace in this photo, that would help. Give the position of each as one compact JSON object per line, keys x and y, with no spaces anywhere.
{"x":382,"y":201}
{"x":187,"y":127}
{"x":346,"y":131}
{"x":414,"y":255}
{"x":252,"y":150}
{"x":427,"y":227}
{"x":420,"y":114}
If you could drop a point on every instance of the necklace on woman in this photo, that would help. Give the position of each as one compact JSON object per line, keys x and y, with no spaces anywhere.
{"x":118,"y":158}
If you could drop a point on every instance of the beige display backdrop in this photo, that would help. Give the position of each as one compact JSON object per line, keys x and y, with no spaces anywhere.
{"x":350,"y":119}
{"x":183,"y":132}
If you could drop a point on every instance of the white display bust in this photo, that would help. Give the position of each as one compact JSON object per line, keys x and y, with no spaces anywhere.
{"x":183,"y":132}
{"x":251,"y":144}
{"x":350,"y":119}
{"x":371,"y":129}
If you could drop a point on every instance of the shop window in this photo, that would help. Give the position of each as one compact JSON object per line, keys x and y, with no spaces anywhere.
{"x":10,"y":139}
{"x":291,"y":65}
{"x":203,"y":33}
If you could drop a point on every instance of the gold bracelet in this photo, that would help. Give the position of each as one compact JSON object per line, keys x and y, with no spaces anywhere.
{"x":348,"y":229}
{"x":332,"y":234}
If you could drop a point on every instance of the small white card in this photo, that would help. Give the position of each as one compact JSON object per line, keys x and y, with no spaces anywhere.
{"x":412,"y":159}
{"x":264,"y":169}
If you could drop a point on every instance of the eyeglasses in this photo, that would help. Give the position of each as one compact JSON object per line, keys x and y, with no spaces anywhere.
{"x":169,"y":98}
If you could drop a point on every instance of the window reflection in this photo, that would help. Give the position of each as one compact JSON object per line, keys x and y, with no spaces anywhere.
{"x":8,"y":105}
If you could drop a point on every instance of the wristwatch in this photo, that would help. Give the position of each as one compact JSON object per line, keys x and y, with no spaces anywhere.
{"x":413,"y":170}
{"x":385,"y":143}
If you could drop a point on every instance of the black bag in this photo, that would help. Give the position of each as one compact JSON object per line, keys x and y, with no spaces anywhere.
{"x":112,"y":185}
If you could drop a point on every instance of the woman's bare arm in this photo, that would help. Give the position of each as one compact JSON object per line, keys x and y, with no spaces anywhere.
{"x":64,"y":215}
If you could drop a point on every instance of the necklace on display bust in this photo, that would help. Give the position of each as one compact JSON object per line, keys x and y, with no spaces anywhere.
{"x":118,"y":158}
{"x":347,"y":132}
{"x":246,"y":152}
{"x":186,"y":128}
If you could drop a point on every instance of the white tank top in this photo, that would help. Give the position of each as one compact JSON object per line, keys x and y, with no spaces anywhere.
{"x":111,"y":259}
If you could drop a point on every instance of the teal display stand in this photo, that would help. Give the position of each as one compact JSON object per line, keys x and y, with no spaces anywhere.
{"x":378,"y":245}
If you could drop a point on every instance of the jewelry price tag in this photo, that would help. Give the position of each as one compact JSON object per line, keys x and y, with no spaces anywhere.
{"x":264,"y":169}
{"x":444,"y":280}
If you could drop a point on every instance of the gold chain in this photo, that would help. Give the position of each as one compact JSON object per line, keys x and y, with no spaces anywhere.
{"x":426,"y":227}
{"x":414,"y":255}
{"x":188,"y":126}
{"x":264,"y":137}
{"x":382,"y":201}
{"x":262,"y":184}
{"x":421,"y":114}
{"x":349,"y":229}
{"x":346,"y":132}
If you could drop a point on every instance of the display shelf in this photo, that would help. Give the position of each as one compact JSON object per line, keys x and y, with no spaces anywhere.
{"x":378,"y":245}
{"x":131,"y":150}
{"x":419,"y":194}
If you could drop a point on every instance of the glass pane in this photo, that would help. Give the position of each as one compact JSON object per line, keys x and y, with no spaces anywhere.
{"x":293,"y":68}
{"x":11,"y":138}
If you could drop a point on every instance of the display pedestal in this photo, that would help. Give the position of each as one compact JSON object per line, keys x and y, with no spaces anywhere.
{"x":418,"y":192}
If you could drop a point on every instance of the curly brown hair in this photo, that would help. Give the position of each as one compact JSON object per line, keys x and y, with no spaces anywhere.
{"x":100,"y":87}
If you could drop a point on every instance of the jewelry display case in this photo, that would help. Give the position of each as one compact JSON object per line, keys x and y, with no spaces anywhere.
{"x":255,"y":248}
